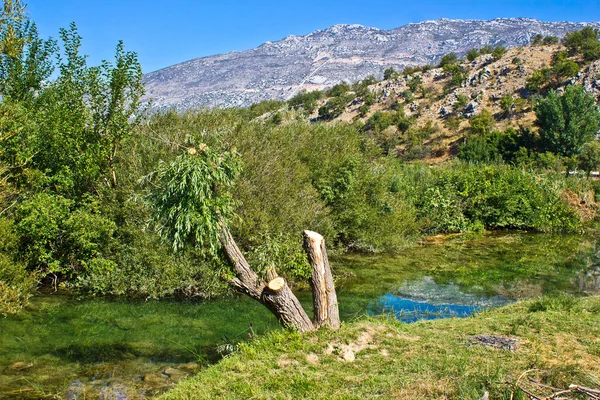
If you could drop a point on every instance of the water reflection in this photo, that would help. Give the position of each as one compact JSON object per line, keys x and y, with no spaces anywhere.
{"x":426,"y":299}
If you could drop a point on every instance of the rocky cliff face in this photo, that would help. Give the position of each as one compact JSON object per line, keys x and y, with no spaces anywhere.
{"x":277,"y":70}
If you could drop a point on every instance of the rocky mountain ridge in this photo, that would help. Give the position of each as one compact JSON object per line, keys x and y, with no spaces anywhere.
{"x":278,"y":70}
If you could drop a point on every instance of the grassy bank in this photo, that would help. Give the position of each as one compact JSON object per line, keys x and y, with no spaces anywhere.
{"x":556,"y":337}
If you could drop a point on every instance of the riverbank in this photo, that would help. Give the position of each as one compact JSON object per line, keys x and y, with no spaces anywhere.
{"x":556,"y":337}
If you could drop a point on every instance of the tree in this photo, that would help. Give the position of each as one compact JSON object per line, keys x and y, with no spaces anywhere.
{"x":589,"y":158}
{"x":567,"y":122}
{"x":26,"y":61}
{"x":450,"y":58}
{"x":498,"y":52}
{"x":334,"y":107}
{"x":390,"y":73}
{"x":537,"y":40}
{"x":507,"y":103}
{"x":192,"y":203}
{"x":472,"y":54}
{"x":584,"y":42}
{"x":482,"y":124}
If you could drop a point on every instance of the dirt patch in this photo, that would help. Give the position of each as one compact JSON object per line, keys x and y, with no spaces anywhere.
{"x":347,"y":352}
{"x":496,"y":342}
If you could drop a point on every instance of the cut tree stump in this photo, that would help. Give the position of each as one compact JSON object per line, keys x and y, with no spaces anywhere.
{"x":325,"y":302}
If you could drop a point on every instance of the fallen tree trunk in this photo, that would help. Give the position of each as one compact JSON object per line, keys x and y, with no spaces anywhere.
{"x":275,"y":293}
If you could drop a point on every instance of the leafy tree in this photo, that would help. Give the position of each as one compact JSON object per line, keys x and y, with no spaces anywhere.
{"x":549,"y":40}
{"x":26,"y":61}
{"x":507,"y":103}
{"x":482,"y":124}
{"x":448,"y":59}
{"x":472,"y":54}
{"x":583,"y":42}
{"x":589,"y":158}
{"x":338,"y":90}
{"x":498,"y":52}
{"x":486,"y":49}
{"x":539,"y":79}
{"x":537,"y":40}
{"x":461,"y":101}
{"x":334,"y":107}
{"x":567,"y":122}
{"x":306,"y":100}
{"x":452,"y":123}
{"x":390,"y":73}
{"x":415,"y":82}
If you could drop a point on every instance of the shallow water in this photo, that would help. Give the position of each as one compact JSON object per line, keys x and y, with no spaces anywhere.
{"x":68,"y":347}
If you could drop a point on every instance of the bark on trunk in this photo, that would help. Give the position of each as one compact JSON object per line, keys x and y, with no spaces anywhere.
{"x":278,"y":298}
{"x":325,"y":305}
{"x":275,"y":293}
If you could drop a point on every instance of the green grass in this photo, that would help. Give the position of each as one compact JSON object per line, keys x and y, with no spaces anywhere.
{"x":558,"y":339}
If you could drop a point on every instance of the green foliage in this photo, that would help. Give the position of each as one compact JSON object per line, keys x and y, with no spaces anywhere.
{"x":448,"y":59}
{"x":363,"y":110}
{"x":408,"y":96}
{"x":482,"y":124}
{"x":415,"y":82}
{"x":486,"y":50}
{"x":589,"y":158}
{"x":452,"y":123}
{"x":264,"y":107}
{"x":465,"y":197}
{"x":539,"y":79}
{"x":191,"y":199}
{"x":567,"y":122}
{"x":498,"y":52}
{"x":584,"y":42}
{"x":338,"y":90}
{"x":550,"y":40}
{"x":333,"y":108}
{"x":306,"y":100}
{"x":472,"y":54}
{"x":390,"y":73}
{"x":517,"y":61}
{"x":461,"y":101}
{"x":26,"y":61}
{"x":16,"y":283}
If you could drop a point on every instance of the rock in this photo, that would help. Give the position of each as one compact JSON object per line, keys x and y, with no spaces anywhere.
{"x":20,"y":366}
{"x":174,"y":373}
{"x":190,"y":367}
{"x":471,"y":109}
{"x":444,"y":111}
{"x":497,"y":342}
{"x":156,"y":379}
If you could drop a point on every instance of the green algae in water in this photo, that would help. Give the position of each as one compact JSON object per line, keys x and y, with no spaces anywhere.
{"x":62,"y":344}
{"x":68,"y":347}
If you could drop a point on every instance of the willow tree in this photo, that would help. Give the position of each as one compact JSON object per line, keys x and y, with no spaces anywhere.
{"x":193,"y":206}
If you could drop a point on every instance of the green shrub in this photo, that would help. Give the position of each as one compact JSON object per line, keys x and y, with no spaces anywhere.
{"x":464,"y":197}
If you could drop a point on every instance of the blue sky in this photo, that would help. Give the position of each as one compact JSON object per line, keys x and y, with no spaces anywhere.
{"x":165,"y":32}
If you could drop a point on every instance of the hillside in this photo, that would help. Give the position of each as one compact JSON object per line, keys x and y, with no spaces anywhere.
{"x":277,"y":70}
{"x":444,"y":110}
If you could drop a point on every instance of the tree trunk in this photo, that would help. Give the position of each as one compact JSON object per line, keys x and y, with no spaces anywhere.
{"x":275,"y":293}
{"x":325,"y":305}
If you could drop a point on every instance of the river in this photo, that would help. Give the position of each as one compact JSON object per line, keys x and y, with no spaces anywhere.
{"x":75,"y":347}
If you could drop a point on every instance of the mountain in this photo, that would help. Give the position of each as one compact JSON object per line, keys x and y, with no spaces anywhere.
{"x":277,"y":70}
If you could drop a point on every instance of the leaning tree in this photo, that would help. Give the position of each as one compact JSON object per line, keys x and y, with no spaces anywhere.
{"x":192,"y":206}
